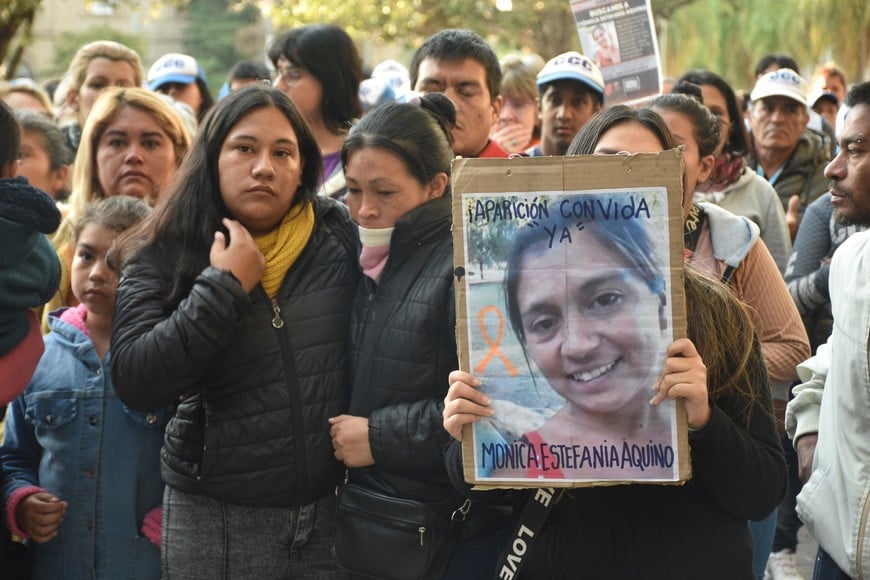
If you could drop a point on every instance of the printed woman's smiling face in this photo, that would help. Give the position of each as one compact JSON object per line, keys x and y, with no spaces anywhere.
{"x":592,"y":326}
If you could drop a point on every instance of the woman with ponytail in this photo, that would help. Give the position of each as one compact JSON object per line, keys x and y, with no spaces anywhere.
{"x":402,"y":341}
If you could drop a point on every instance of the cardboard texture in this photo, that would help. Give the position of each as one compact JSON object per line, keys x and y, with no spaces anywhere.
{"x":593,"y":247}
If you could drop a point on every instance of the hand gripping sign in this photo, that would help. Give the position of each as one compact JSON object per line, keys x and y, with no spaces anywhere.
{"x":569,"y":290}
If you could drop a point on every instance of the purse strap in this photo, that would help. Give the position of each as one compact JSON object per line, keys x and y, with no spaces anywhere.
{"x":537,"y":508}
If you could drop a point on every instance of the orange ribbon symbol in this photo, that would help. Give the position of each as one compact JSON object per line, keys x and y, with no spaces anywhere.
{"x":493,"y":345}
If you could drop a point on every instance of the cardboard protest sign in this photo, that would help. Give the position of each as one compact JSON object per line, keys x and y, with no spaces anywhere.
{"x":620,"y":36}
{"x":569,"y":285}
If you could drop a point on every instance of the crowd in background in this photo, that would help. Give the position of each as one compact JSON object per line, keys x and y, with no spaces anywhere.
{"x":226,"y":305}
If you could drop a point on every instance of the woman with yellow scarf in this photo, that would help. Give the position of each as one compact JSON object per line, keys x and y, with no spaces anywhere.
{"x":234,"y":304}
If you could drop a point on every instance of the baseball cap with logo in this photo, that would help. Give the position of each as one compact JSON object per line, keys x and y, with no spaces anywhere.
{"x":174,"y":68}
{"x":782,"y":82}
{"x":572,"y":66}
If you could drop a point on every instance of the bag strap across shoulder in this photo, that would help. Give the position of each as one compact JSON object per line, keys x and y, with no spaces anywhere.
{"x":528,"y":527}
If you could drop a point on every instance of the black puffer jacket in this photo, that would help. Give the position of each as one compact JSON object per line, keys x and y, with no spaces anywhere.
{"x":251,"y":427}
{"x":403,"y":347}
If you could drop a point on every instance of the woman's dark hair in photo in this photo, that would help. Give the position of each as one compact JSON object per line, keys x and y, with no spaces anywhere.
{"x":52,"y":141}
{"x":628,"y":238}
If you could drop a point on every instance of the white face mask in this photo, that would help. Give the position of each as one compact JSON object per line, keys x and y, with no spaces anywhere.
{"x":375,"y":237}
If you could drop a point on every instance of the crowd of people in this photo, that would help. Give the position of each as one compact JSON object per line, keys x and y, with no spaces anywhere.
{"x":217,"y":311}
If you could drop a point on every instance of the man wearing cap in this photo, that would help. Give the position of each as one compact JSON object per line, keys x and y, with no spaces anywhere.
{"x":826,"y":104}
{"x":829,"y":417}
{"x":460,"y":64}
{"x":180,"y":77}
{"x":570,"y":91}
{"x":789,"y":156}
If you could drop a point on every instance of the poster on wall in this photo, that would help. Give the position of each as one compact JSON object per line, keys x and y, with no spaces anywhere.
{"x":620,"y":36}
{"x":569,"y":290}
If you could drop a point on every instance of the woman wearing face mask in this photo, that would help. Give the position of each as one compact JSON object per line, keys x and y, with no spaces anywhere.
{"x":402,"y":341}
{"x":697,"y":530}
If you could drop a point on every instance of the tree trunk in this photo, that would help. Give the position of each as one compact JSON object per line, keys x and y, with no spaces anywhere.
{"x":18,"y":13}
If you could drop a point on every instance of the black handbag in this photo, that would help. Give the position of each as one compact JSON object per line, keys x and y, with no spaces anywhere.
{"x":391,"y":538}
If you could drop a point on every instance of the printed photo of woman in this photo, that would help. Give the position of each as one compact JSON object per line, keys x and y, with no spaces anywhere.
{"x":586,"y":298}
{"x":608,"y":49}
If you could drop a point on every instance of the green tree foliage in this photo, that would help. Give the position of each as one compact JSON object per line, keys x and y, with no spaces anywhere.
{"x":66,"y":46}
{"x":220,"y":34}
{"x":723,"y":35}
{"x":729,"y":36}
{"x":489,"y":244}
{"x":545,"y":26}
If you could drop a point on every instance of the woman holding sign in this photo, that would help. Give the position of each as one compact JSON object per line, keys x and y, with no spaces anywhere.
{"x":402,"y":341}
{"x":697,"y":530}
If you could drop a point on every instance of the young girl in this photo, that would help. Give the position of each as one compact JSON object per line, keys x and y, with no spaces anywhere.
{"x":81,"y":470}
{"x":235,"y":305}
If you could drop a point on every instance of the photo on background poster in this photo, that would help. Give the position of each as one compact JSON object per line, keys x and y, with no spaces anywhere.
{"x":620,"y":36}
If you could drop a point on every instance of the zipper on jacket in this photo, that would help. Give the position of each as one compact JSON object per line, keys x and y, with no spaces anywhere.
{"x":422,"y":530}
{"x":277,"y":321}
{"x":292,"y":379}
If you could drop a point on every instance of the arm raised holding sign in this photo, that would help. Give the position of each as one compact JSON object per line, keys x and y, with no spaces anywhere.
{"x":695,"y":530}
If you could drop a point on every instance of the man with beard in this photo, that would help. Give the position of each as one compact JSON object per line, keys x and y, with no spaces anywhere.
{"x":828,"y":417}
{"x":570,"y":91}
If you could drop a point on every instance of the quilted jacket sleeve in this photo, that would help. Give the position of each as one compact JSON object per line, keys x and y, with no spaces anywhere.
{"x":157,"y":356}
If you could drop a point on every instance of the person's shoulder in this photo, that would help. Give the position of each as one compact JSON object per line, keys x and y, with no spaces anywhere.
{"x":814,"y":145}
{"x":333,"y":218}
{"x":855,"y":245}
{"x":493,"y":151}
{"x":821,"y":205}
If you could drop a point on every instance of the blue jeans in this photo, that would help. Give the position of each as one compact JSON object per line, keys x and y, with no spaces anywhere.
{"x":476,"y":557}
{"x":762,"y":541}
{"x":204,"y":538}
{"x":826,"y":569}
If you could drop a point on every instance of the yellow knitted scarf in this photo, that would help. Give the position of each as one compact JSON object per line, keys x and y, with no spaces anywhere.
{"x":283,"y":245}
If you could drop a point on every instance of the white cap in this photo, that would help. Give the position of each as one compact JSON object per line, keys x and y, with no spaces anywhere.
{"x":572,"y":66}
{"x":782,"y":82}
{"x":394,"y":74}
{"x":174,"y":68}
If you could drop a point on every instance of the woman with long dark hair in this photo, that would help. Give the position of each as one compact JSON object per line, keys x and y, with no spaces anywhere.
{"x":233,"y":306}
